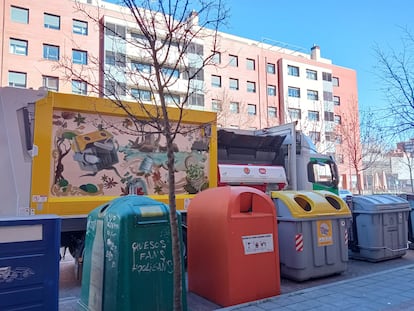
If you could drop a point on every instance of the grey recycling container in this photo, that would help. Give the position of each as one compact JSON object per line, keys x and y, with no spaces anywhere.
{"x":379,"y":227}
{"x":410,"y":198}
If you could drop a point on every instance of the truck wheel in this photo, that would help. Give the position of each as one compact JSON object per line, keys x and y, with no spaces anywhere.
{"x":79,"y":265}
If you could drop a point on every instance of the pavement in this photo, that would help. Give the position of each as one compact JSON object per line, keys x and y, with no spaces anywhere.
{"x":387,"y":290}
{"x":387,"y":285}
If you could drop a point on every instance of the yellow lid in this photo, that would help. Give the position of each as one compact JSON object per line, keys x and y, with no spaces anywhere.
{"x":310,"y":204}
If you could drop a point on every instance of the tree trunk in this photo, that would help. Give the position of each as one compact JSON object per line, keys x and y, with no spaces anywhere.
{"x":176,"y":247}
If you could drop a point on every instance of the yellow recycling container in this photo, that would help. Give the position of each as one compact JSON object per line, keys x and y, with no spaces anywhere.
{"x":313,"y":233}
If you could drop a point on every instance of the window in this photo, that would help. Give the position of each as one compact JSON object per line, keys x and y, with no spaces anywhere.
{"x":251,"y":87}
{"x":326,"y":76}
{"x":80,"y":27}
{"x":233,"y":61}
{"x":327,"y":96}
{"x":312,"y":95}
{"x":170,"y":72}
{"x":51,"y":83}
{"x":143,"y":95}
{"x":315,"y":136}
{"x":234,"y":84}
{"x":79,"y":87}
{"x":19,"y":15}
{"x":51,"y":21}
{"x":337,"y":100}
{"x":114,"y":59}
{"x":115,"y":30}
{"x":215,"y":105}
{"x":215,"y":81}
{"x":271,"y":90}
{"x":329,"y":116}
{"x":313,"y":115}
{"x":337,"y":120}
{"x":50,"y":52}
{"x":293,"y":92}
{"x":339,"y":158}
{"x":134,"y":35}
{"x":294,"y":114}
{"x":143,"y":68}
{"x":196,"y":100}
{"x":272,"y":112}
{"x":17,"y":79}
{"x":171,"y":99}
{"x":194,"y":48}
{"x":335,"y":81}
{"x":338,"y":139}
{"x":250,"y":64}
{"x":271,"y":68}
{"x":293,"y":71}
{"x":80,"y":57}
{"x":311,"y":74}
{"x":216,"y":58}
{"x":234,"y":107}
{"x":193,"y":73}
{"x":329,"y":136}
{"x":18,"y":47}
{"x":114,"y":88}
{"x":251,"y":109}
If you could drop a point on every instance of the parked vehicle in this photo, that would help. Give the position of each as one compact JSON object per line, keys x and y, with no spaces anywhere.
{"x":280,"y":146}
{"x":66,"y":154}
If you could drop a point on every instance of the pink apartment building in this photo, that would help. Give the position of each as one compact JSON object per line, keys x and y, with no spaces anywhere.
{"x":253,"y":85}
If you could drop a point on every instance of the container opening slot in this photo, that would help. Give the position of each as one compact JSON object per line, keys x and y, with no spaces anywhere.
{"x":303,"y":203}
{"x":104,"y":208}
{"x":246,"y":202}
{"x":334,"y":202}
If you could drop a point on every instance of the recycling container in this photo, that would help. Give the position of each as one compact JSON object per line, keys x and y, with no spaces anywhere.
{"x":128,"y":263}
{"x":232,"y":245}
{"x":410,"y":198}
{"x":29,"y":263}
{"x":380,"y":227}
{"x":313,"y":233}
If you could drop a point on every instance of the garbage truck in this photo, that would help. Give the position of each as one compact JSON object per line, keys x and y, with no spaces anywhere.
{"x":66,"y":154}
{"x":276,"y":158}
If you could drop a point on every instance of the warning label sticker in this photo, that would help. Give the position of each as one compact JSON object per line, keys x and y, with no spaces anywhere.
{"x":324,"y":232}
{"x":255,"y":244}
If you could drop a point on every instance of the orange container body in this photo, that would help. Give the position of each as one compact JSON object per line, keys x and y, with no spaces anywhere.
{"x":233,"y":254}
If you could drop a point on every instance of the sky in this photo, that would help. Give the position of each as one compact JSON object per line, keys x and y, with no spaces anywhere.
{"x":346,"y":31}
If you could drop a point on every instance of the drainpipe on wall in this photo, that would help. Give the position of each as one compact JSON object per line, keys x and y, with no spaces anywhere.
{"x":258,"y":90}
{"x":3,"y":42}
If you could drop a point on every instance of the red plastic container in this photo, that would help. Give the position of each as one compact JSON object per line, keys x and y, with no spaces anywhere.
{"x":233,"y":254}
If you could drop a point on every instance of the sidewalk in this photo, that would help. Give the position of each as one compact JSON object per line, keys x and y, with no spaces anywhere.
{"x":388,"y":290}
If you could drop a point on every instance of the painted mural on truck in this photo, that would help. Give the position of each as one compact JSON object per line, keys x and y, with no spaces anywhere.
{"x":111,"y":155}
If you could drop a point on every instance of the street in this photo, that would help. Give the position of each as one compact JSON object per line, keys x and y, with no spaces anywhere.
{"x":70,"y":288}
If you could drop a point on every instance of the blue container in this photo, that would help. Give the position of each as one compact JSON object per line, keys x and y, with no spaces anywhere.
{"x":29,"y":263}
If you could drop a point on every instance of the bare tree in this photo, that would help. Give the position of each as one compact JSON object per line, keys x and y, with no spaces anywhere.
{"x":395,"y":71}
{"x":405,"y":156}
{"x":167,"y":39}
{"x":362,"y":142}
{"x":408,"y":162}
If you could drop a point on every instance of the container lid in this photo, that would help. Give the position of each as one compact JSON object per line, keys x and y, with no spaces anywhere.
{"x":309,"y":204}
{"x":378,"y":202}
{"x":143,"y":208}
